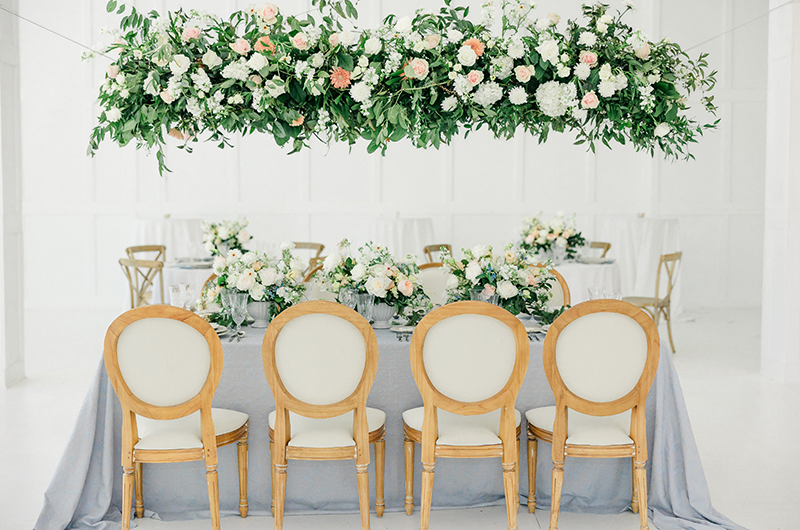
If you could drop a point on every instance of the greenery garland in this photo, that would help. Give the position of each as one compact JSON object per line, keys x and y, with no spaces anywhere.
{"x":190,"y":74}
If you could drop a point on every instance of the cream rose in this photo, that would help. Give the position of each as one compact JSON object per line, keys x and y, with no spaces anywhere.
{"x":662,"y":130}
{"x":268,"y":276}
{"x":473,"y":271}
{"x":373,"y":46}
{"x":523,"y":74}
{"x":475,"y":77}
{"x":246,"y":281}
{"x":549,"y":51}
{"x":480,"y":251}
{"x":300,"y":41}
{"x":452,"y":282}
{"x":269,"y":13}
{"x":358,"y":272}
{"x":331,"y":262}
{"x":507,"y":290}
{"x":432,"y":41}
{"x":257,"y":62}
{"x":179,"y":64}
{"x":467,"y":56}
{"x":190,"y":33}
{"x":113,"y":114}
{"x":589,"y":58}
{"x":211,"y":59}
{"x":643,"y":52}
{"x":241,"y":46}
{"x":403,"y":25}
{"x":113,"y":70}
{"x":420,"y":68}
{"x":378,"y":286}
{"x":406,"y":287}
{"x":348,"y":38}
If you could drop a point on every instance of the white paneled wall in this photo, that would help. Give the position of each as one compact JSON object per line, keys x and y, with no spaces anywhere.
{"x":77,"y":210}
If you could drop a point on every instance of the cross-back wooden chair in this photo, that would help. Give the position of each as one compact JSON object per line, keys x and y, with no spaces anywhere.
{"x":165,"y":364}
{"x":599,"y":244}
{"x":147,"y":252}
{"x":141,"y":274}
{"x":469,"y":360}
{"x":313,"y":263}
{"x":319,"y":247}
{"x":434,"y":281}
{"x":560,"y":291}
{"x":314,"y":270}
{"x":320,"y":359}
{"x":661,"y":303}
{"x":600,"y":358}
{"x":430,"y":249}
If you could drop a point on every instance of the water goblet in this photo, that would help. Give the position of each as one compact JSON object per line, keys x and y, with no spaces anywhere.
{"x":480,"y":295}
{"x":365,"y":302}
{"x":187,"y":294}
{"x":348,"y":297}
{"x":175,"y":297}
{"x":596,"y":293}
{"x":239,"y":311}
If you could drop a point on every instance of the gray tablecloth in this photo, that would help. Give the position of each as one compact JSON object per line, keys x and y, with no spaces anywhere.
{"x":85,"y":491}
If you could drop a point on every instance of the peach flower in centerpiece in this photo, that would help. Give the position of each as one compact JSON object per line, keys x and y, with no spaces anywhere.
{"x":643,"y":52}
{"x":489,"y":290}
{"x":190,"y":33}
{"x":477,"y":46}
{"x":590,"y":101}
{"x":405,"y":287}
{"x":589,"y":58}
{"x":299,"y":121}
{"x":264,"y":44}
{"x":340,"y":78}
{"x":241,"y":46}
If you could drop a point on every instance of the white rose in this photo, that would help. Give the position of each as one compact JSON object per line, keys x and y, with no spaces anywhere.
{"x":211,"y":59}
{"x":249,"y":258}
{"x":113,"y":114}
{"x":605,"y":72}
{"x":403,"y":25}
{"x":268,"y":276}
{"x":549,"y":51}
{"x":378,"y":286}
{"x":209,"y":246}
{"x":317,"y":60}
{"x":257,"y":292}
{"x":243,"y":237}
{"x":662,"y":130}
{"x":480,"y":251}
{"x":179,"y":64}
{"x":452,"y":282}
{"x":287,"y":245}
{"x":363,"y":62}
{"x":454,"y":35}
{"x":601,"y":27}
{"x":449,"y":104}
{"x":348,"y":38}
{"x":331,"y":262}
{"x":223,"y":233}
{"x":358,"y":271}
{"x":467,"y":56}
{"x":507,"y":290}
{"x":220,"y":263}
{"x":373,"y":46}
{"x":561,"y":242}
{"x":246,"y":280}
{"x":473,"y":271}
{"x":257,"y":62}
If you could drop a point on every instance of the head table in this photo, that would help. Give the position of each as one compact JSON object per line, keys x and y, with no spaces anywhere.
{"x":85,"y":491}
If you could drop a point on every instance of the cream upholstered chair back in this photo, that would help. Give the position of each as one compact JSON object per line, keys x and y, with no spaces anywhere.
{"x":434,"y":282}
{"x":164,"y":362}
{"x":469,"y":357}
{"x":320,"y":359}
{"x":668,"y":267}
{"x":600,"y":357}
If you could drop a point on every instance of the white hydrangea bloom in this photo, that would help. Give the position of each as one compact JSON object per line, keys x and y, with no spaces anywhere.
{"x":488,"y":94}
{"x":236,"y":70}
{"x":502,"y":67}
{"x":555,"y":98}
{"x":549,"y":51}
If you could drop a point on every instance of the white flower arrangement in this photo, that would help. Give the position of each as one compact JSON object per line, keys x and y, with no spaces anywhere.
{"x":539,"y":236}
{"x":219,"y":238}
{"x":375,"y":271}
{"x":514,"y":275}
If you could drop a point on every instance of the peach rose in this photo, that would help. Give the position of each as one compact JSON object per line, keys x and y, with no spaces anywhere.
{"x":300,"y":41}
{"x":477,"y":46}
{"x":643,"y":52}
{"x":190,"y":33}
{"x":475,"y":77}
{"x":406,"y":287}
{"x":167,"y":97}
{"x":489,"y":290}
{"x":590,"y":101}
{"x":269,"y":13}
{"x":589,"y":58}
{"x":257,"y":266}
{"x":255,"y":78}
{"x":241,"y":46}
{"x":334,"y":39}
{"x":113,"y":71}
{"x":264,"y":44}
{"x":433,"y":41}
{"x":523,"y":74}
{"x":420,"y":67}
{"x":530,"y":239}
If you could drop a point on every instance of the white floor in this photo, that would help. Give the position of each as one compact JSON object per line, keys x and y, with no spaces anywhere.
{"x":746,"y":428}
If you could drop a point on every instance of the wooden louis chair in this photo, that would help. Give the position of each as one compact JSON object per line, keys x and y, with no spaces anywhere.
{"x":434,"y":282}
{"x":599,"y":244}
{"x":165,"y":364}
{"x":600,"y":358}
{"x":661,"y":305}
{"x":430,"y":249}
{"x":320,"y":359}
{"x":141,"y":274}
{"x":469,"y":360}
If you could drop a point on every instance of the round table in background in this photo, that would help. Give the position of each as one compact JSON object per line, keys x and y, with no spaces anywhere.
{"x":182,"y":237}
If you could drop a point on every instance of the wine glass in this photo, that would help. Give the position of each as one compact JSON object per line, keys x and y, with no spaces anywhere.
{"x":175,"y":297}
{"x":597,"y":293}
{"x":239,"y":311}
{"x":348,"y":297}
{"x":187,"y":294}
{"x":365,"y":303}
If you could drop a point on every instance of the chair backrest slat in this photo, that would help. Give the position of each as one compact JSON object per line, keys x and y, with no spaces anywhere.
{"x":430,"y":249}
{"x":669,"y":263}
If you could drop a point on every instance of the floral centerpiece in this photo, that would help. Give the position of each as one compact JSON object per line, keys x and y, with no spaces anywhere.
{"x":374,"y":271}
{"x":520,"y":286}
{"x":540,"y":237}
{"x":219,"y":238}
{"x":190,"y":74}
{"x":278,"y":281}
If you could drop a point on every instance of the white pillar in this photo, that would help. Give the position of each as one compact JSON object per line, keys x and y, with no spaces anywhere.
{"x":11,"y":263}
{"x":780,"y":328}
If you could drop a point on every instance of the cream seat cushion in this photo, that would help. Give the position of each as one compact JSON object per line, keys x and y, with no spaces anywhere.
{"x":327,"y":432}
{"x":455,"y":429}
{"x":584,"y":429}
{"x":184,"y":433}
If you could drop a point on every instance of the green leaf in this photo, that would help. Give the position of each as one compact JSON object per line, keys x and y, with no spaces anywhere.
{"x":121,"y":9}
{"x":296,"y":91}
{"x":111,"y":6}
{"x":345,"y":61}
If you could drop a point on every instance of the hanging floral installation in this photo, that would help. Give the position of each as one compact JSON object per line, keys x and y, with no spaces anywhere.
{"x":192,"y":75}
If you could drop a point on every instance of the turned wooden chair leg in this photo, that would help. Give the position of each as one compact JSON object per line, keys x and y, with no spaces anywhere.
{"x":510,"y":487}
{"x":555,"y":501}
{"x":533,"y":444}
{"x":212,"y":478}
{"x":279,"y":493}
{"x":242,"y":457}
{"x":272,"y":472}
{"x":427,"y":495}
{"x":137,"y":481}
{"x":362,"y":477}
{"x":635,"y":497}
{"x":641,"y":487}
{"x":409,"y":465}
{"x":127,"y":497}
{"x":516,"y":479}
{"x":380,"y":466}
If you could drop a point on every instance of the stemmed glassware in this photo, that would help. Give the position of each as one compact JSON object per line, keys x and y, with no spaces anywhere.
{"x":348,"y":297}
{"x":365,"y":303}
{"x":239,"y":311}
{"x":187,"y":293}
